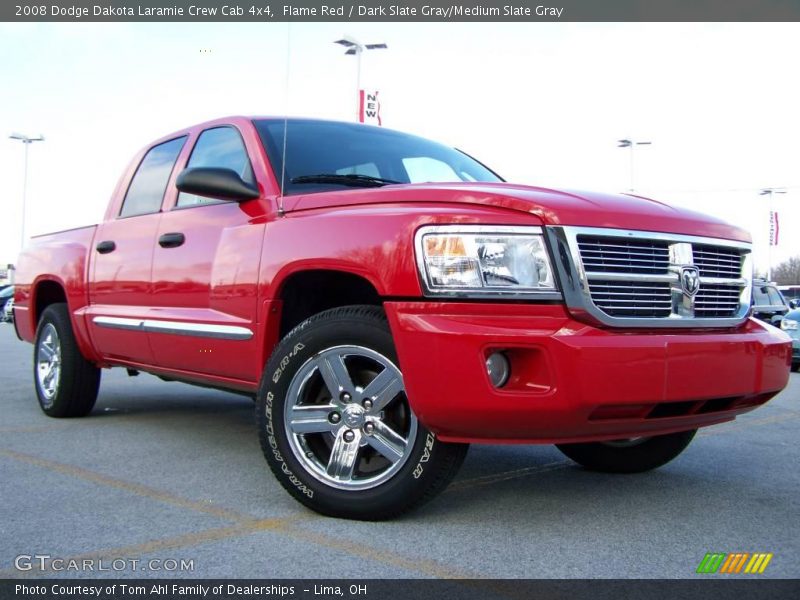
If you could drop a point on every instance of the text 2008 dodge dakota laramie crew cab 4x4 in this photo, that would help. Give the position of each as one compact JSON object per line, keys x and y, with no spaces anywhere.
{"x":390,"y":300}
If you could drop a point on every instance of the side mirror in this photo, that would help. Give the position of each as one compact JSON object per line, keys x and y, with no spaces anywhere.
{"x":212,"y":182}
{"x":793,"y":303}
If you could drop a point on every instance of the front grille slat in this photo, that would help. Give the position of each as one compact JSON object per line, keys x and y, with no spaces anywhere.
{"x":614,"y":255}
{"x":717,"y":301}
{"x":717,"y":261}
{"x":631,"y":260}
{"x":632,"y":299}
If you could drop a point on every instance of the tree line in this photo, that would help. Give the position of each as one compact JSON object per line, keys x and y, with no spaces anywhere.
{"x":787,"y":272}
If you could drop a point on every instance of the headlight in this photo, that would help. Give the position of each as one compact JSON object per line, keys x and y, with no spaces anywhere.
{"x":788,"y":324}
{"x":474,"y":260}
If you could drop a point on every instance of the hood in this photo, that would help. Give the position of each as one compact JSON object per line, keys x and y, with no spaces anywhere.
{"x":552,"y":207}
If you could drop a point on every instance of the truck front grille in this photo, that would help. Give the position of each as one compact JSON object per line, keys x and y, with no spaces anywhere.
{"x":631,"y":278}
{"x":717,"y":301}
{"x":715,"y":261}
{"x":632,"y":299}
{"x":613,"y":255}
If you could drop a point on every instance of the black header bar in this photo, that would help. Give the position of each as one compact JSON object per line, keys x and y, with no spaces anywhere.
{"x":398,"y":11}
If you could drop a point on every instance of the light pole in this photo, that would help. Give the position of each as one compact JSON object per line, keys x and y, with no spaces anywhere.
{"x":356,"y":48}
{"x":769,"y":192}
{"x":630,"y":144}
{"x":27,"y":141}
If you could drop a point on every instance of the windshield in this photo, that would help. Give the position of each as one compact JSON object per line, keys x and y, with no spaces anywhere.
{"x":326,"y":155}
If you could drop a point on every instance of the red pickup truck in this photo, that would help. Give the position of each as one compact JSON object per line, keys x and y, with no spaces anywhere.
{"x":388,"y":300}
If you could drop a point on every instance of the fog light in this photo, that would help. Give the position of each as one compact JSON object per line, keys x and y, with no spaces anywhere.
{"x":498,"y":369}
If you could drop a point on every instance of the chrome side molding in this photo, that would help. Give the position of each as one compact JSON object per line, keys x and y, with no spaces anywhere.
{"x":225,"y":332}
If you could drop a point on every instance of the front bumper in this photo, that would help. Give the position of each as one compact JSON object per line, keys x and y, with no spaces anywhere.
{"x":573,"y":382}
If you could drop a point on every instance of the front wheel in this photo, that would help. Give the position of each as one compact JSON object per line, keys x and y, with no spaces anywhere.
{"x":336,"y":426}
{"x":633,"y":455}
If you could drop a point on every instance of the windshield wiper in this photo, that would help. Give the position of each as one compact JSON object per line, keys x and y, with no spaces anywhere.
{"x":350,"y":179}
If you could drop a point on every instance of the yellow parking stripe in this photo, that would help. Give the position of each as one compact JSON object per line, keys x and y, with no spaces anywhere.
{"x":245,"y":525}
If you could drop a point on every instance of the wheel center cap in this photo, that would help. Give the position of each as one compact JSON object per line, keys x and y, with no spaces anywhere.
{"x":353,"y":416}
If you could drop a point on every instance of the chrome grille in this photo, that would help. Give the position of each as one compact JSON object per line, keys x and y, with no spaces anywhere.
{"x":716,"y":261}
{"x":717,"y":301}
{"x":614,"y":255}
{"x":632,"y":299}
{"x":636,"y":278}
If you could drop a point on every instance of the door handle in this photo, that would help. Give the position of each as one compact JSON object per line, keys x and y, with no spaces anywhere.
{"x":171,"y":240}
{"x":105,"y":247}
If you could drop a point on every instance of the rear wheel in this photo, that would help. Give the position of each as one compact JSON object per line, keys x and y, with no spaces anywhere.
{"x":336,"y":426}
{"x":66,"y":383}
{"x":633,"y":455}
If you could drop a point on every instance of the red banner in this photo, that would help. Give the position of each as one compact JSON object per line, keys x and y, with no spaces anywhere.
{"x":369,"y":108}
{"x":774,"y":228}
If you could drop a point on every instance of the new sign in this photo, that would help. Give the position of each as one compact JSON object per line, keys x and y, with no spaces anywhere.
{"x":369,"y":108}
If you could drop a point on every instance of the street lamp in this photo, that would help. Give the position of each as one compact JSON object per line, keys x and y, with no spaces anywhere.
{"x":27,"y":141}
{"x":630,"y":144}
{"x":356,"y":48}
{"x":769,"y":192}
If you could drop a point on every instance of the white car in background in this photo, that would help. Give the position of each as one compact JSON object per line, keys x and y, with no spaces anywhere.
{"x":8,"y":311}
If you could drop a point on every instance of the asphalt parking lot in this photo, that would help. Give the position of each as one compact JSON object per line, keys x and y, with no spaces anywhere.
{"x":167,"y":471}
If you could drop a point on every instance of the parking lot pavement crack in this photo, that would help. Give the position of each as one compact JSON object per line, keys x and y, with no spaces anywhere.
{"x":466,"y":484}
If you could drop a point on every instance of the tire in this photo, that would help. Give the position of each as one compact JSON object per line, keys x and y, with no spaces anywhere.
{"x":629,"y":456}
{"x":795,"y":367}
{"x":333,"y":458}
{"x":66,"y":383}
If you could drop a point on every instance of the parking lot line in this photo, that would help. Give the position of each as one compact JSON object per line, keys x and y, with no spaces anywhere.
{"x":178,"y":542}
{"x":245,"y":525}
{"x":128,"y":486}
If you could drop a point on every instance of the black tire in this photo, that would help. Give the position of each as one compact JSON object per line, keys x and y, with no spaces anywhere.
{"x":302,"y":461}
{"x":795,"y":367}
{"x":629,"y":456}
{"x":76,"y":380}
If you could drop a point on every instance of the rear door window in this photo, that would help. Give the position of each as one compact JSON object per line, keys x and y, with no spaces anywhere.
{"x":146,"y":190}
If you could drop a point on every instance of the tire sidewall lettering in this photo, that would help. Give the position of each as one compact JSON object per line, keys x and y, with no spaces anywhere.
{"x":276,"y":376}
{"x":273,"y":444}
{"x":430,"y":440}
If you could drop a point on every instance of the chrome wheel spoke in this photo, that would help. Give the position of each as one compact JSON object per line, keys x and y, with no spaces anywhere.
{"x":48,"y":362}
{"x":387,"y":442}
{"x":383,"y":389}
{"x":344,"y":456}
{"x":46,"y":350}
{"x":331,"y":420}
{"x":334,"y":374}
{"x":312,"y":419}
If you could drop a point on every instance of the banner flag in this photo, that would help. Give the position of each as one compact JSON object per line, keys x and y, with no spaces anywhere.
{"x":369,"y":108}
{"x":774,"y":228}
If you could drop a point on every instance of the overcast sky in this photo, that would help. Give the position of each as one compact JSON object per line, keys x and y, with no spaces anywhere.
{"x":540,"y":103}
